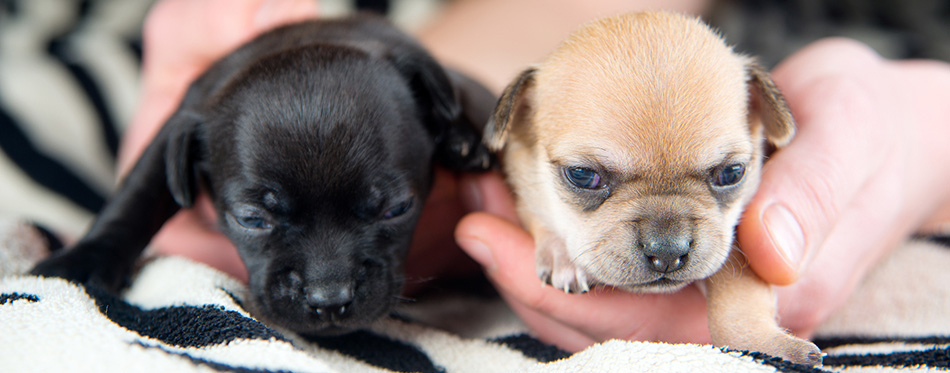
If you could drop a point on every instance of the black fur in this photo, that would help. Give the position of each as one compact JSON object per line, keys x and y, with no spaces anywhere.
{"x":316,"y":143}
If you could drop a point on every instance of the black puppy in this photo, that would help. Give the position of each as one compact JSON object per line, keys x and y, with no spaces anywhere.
{"x":316,"y":143}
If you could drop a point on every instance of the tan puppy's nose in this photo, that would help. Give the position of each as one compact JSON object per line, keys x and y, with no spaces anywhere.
{"x":666,"y":257}
{"x":665,"y":244}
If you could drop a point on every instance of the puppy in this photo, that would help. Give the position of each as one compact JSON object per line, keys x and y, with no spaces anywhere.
{"x":632,"y":150}
{"x":316,"y":144}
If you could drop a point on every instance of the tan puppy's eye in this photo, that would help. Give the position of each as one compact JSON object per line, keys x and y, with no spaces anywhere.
{"x":584,"y":178}
{"x":728,"y":176}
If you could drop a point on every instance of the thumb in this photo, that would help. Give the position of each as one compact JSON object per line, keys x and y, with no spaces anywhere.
{"x":807,"y":185}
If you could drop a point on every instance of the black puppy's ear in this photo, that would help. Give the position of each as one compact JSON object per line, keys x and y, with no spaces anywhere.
{"x":444,"y":97}
{"x":181,"y":155}
{"x":429,"y":84}
{"x":767,"y":101}
{"x":499,"y":125}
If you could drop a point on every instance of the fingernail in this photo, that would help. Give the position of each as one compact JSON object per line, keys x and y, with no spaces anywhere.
{"x":470,"y":194}
{"x":478,"y":251}
{"x":786,"y":234}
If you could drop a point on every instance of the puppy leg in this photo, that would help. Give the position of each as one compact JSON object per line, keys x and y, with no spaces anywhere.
{"x":106,"y":254}
{"x":742,"y":315}
{"x":554,"y":264}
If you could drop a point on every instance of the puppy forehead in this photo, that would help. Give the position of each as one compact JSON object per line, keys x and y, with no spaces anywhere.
{"x":644,"y":89}
{"x":326,"y":123}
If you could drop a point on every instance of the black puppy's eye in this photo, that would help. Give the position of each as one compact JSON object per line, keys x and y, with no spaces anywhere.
{"x":253,"y":222}
{"x":400,"y":209}
{"x":728,"y":176}
{"x":584,"y":178}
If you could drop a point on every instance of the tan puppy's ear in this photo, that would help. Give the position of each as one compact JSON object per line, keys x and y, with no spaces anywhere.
{"x":499,"y":125}
{"x":770,"y":105}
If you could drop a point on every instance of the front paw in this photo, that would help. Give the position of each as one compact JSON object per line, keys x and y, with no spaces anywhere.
{"x":81,"y":267}
{"x":556,"y":269}
{"x":461,"y":149}
{"x":794,"y":349}
{"x":775,"y":343}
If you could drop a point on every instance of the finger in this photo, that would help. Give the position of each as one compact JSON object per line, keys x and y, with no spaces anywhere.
{"x":851,"y":249}
{"x":490,"y":193}
{"x":548,"y":330}
{"x":888,"y":208}
{"x":192,"y":233}
{"x":433,"y":252}
{"x":506,"y":252}
{"x":187,"y":236}
{"x":806,"y":186}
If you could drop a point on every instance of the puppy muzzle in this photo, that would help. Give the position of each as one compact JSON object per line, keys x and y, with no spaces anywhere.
{"x":665,"y":243}
{"x":329,"y":299}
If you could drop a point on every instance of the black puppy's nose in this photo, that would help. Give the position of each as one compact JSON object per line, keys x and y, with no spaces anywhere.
{"x":665,"y":255}
{"x":330,"y":302}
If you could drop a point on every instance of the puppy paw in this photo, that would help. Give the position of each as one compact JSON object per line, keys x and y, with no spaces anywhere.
{"x":793,"y":349}
{"x":463,"y":151}
{"x":81,"y":267}
{"x":557,"y":270}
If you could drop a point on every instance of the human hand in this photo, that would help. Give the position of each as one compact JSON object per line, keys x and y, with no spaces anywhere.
{"x":860,"y":172}
{"x":868,"y":167}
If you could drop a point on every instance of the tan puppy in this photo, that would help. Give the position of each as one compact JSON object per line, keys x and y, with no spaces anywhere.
{"x":632,"y":151}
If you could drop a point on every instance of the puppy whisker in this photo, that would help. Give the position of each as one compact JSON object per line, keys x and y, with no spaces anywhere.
{"x":417,"y":280}
{"x":405,"y":299}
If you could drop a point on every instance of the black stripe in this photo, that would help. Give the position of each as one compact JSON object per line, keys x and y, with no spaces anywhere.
{"x":136,"y":47}
{"x":221,"y":367}
{"x":43,"y":169}
{"x":11,"y":297}
{"x":60,"y":50}
{"x":10,"y":7}
{"x":533,"y":348}
{"x":931,"y":358}
{"x":378,"y":6}
{"x":380,"y":351}
{"x":942,"y":240}
{"x":182,"y":326}
{"x":828,"y":342}
{"x":780,"y":364}
{"x":234,"y":298}
{"x":84,"y":7}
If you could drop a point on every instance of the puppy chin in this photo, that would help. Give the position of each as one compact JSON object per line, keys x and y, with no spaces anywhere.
{"x":661,"y":285}
{"x":291,"y":316}
{"x":288,"y":309}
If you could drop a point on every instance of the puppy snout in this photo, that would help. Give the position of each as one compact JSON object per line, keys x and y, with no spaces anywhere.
{"x":330,"y":301}
{"x":665,"y":243}
{"x":665,"y":255}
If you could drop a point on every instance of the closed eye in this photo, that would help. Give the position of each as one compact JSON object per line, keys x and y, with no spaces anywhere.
{"x":398,"y":210}
{"x":251,"y":219}
{"x":253,"y":222}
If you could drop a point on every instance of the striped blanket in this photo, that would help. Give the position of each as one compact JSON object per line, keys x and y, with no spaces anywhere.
{"x":181,"y":316}
{"x":68,"y":85}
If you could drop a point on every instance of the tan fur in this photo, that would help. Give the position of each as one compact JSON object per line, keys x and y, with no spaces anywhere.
{"x":655,"y":102}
